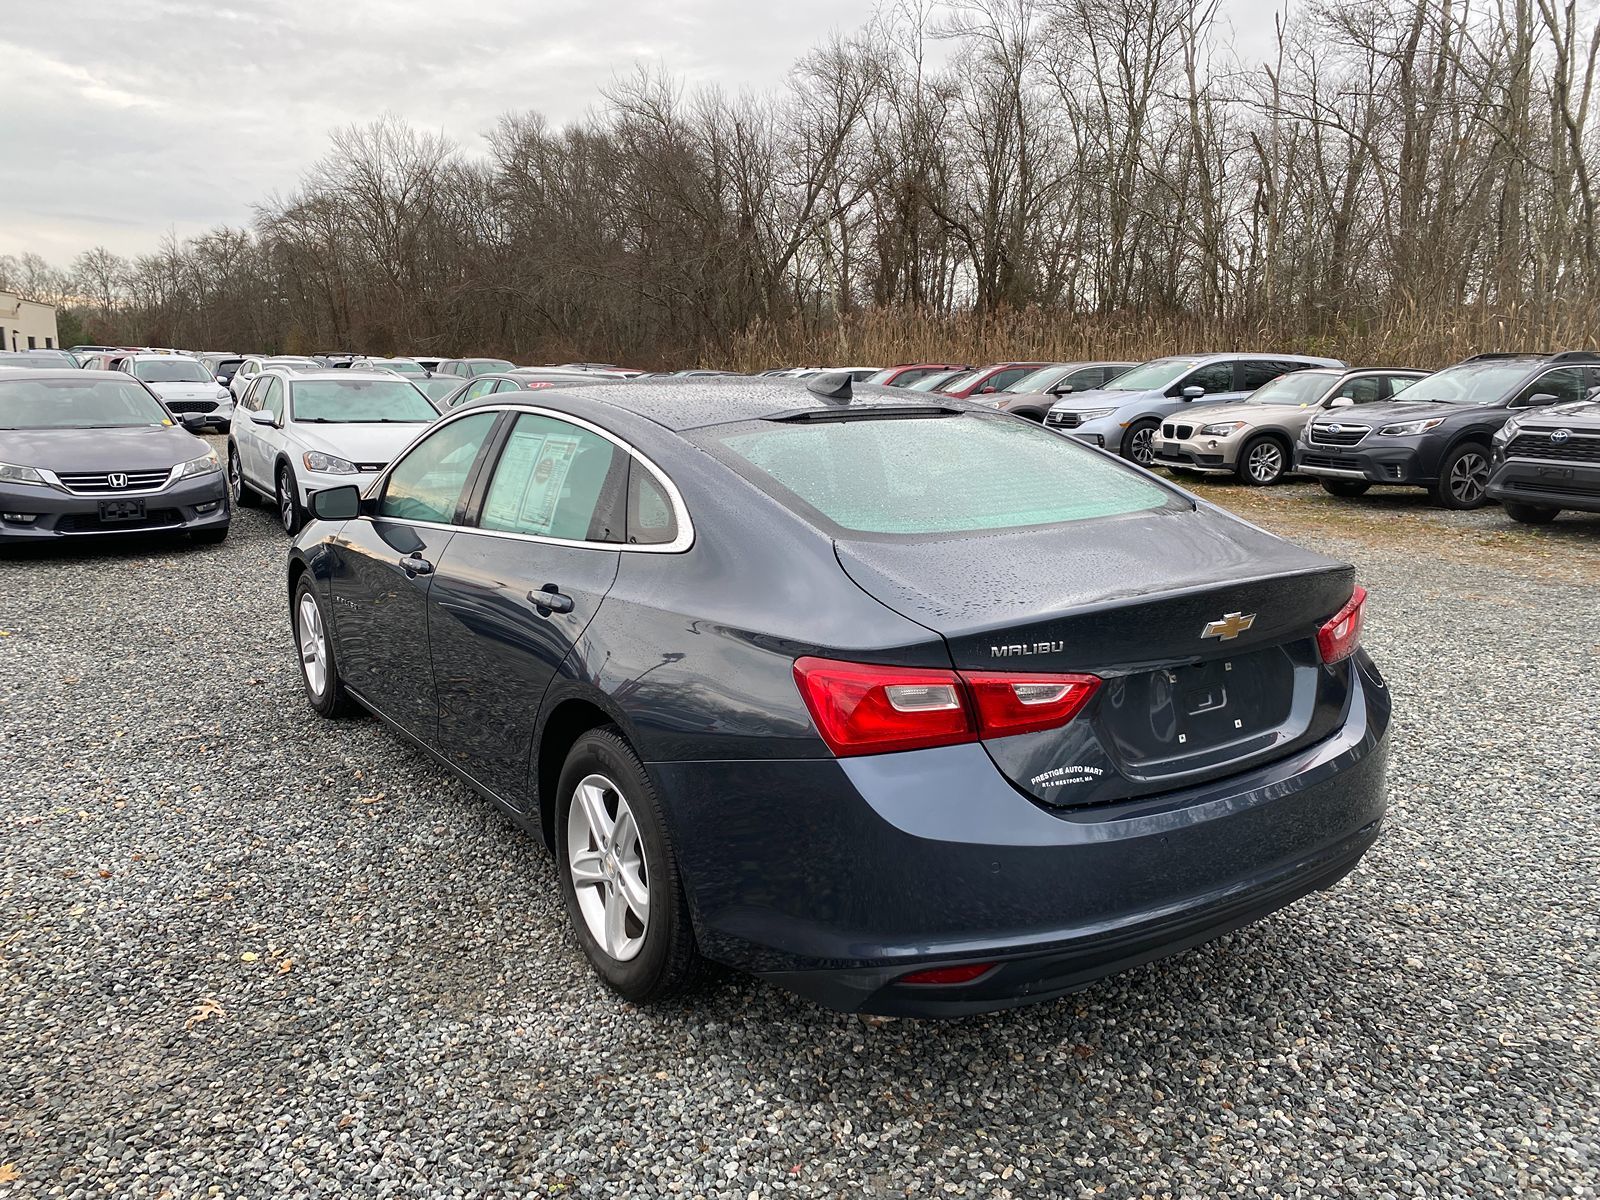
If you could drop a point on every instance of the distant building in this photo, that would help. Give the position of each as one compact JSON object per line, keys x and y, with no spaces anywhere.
{"x":26,"y":324}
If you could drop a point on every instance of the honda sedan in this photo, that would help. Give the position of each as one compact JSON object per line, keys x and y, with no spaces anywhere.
{"x":902,"y":703}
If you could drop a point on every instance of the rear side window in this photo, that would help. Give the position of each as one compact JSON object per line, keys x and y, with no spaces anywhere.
{"x":930,"y":475}
{"x":556,"y":480}
{"x":1253,"y":372}
{"x":651,"y":521}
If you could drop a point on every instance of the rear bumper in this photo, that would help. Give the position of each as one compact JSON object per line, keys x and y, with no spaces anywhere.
{"x":1397,"y":464}
{"x":836,"y":878}
{"x":1547,"y":484}
{"x":193,"y":504}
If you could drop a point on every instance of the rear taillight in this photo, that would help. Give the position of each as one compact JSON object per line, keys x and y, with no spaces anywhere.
{"x":1341,"y":636}
{"x":1008,"y":704}
{"x":863,"y":708}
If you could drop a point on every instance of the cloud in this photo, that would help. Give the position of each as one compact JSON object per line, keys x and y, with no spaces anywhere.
{"x":124,"y":122}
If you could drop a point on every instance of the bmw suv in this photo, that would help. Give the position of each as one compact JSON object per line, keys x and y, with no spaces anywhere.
{"x":1438,"y":435}
{"x":1123,"y":415}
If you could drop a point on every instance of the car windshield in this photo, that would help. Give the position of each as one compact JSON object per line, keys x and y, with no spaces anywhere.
{"x":437,"y":387}
{"x":938,"y":474}
{"x":1151,"y":375}
{"x":1038,"y":381}
{"x":358,"y":401}
{"x":1298,"y":387}
{"x":960,"y":382}
{"x":171,"y":370}
{"x":75,"y":404}
{"x":1470,"y":383}
{"x":402,"y":368}
{"x":928,"y":382}
{"x":489,"y":366}
{"x":882,"y":376}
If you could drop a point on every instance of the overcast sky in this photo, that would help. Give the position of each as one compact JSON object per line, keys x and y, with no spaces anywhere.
{"x":121,"y":121}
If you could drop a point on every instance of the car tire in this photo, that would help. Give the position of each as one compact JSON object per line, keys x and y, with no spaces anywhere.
{"x":1262,"y":461}
{"x":1349,"y":489}
{"x":1531,"y":514}
{"x":290,"y":515}
{"x":644,"y":956}
{"x":1138,"y":442}
{"x":209,"y":537}
{"x":319,"y":663}
{"x":238,"y":489}
{"x":1463,"y":478}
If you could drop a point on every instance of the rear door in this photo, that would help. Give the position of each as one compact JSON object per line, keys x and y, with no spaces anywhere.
{"x":514,"y":592}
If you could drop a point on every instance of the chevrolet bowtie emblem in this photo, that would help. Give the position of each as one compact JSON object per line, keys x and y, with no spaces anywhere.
{"x":1230,"y":627}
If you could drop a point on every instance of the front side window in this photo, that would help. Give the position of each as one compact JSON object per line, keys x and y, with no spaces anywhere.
{"x":70,"y":404}
{"x":359,"y":401}
{"x":1564,"y":383}
{"x":426,"y":484}
{"x":929,"y":475}
{"x":171,"y":370}
{"x":556,"y":480}
{"x":1363,"y":389}
{"x":272,"y":397}
{"x":482,"y":387}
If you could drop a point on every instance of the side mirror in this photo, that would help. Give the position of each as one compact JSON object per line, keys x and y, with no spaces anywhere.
{"x":1061,"y":389}
{"x":1593,"y":393}
{"x":336,"y":504}
{"x":1341,"y":402}
{"x":261,"y":416}
{"x":987,"y":391}
{"x":223,"y":380}
{"x":1192,"y":392}
{"x":1537,"y":400}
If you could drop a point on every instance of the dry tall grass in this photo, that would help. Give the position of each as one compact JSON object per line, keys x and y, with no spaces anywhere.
{"x":1408,"y":337}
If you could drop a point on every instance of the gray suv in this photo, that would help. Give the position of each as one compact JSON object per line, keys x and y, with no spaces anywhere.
{"x":1123,"y":416}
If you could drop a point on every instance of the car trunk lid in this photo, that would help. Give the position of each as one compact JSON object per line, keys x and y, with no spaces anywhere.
{"x":1201,"y":627}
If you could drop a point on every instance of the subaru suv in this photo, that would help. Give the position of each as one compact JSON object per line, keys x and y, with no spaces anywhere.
{"x":1123,"y":415}
{"x":1549,"y":460}
{"x":1438,"y":435}
{"x":299,"y":432}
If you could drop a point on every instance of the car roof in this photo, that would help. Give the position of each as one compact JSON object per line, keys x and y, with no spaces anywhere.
{"x":341,"y":374}
{"x":78,"y":373}
{"x":694,"y":402}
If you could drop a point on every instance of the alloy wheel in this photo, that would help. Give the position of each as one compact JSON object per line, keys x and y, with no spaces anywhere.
{"x":1469,"y":475}
{"x":235,"y":478}
{"x":1141,"y":445}
{"x":313,"y":644}
{"x":1265,"y":462}
{"x":605,"y":859}
{"x":285,"y":502}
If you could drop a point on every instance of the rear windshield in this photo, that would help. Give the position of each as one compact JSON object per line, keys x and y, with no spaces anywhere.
{"x":71,"y":404}
{"x":171,"y":370}
{"x":940,"y":474}
{"x":402,"y":368}
{"x":358,"y":401}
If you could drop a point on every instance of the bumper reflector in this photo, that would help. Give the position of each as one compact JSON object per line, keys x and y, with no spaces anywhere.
{"x":945,"y":976}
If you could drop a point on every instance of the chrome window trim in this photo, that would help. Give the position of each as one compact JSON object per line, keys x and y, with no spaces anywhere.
{"x":680,"y":511}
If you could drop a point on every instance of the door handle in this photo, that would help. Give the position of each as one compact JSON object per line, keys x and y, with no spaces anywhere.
{"x":549,"y":599}
{"x":414,"y":565}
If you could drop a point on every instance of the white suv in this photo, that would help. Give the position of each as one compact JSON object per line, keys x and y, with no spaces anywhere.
{"x":184,"y":384}
{"x":297,"y":432}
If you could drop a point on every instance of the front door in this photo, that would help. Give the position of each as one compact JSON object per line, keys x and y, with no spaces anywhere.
{"x":512,"y":595}
{"x":384,"y":568}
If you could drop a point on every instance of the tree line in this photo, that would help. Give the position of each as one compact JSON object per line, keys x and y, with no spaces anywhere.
{"x":1022,"y":176}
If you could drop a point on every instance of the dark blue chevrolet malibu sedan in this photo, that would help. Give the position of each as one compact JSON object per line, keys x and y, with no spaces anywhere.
{"x":906,"y":704}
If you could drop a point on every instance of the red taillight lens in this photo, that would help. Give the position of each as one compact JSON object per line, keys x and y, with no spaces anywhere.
{"x":936,"y":976}
{"x":1341,"y":636}
{"x":1008,"y":704}
{"x":862,"y":708}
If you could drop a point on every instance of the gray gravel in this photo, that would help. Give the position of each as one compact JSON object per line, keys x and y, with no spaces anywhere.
{"x":244,"y":953}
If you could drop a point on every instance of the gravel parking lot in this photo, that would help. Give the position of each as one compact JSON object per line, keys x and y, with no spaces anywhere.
{"x":246,"y":953}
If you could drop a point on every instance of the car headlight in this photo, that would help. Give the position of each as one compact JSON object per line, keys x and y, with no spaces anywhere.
{"x":1410,"y":428}
{"x":207,"y":464}
{"x":10,"y":473}
{"x":1507,"y":431}
{"x":327,"y":464}
{"x":1094,"y":414}
{"x":223,"y":393}
{"x":1221,"y":428}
